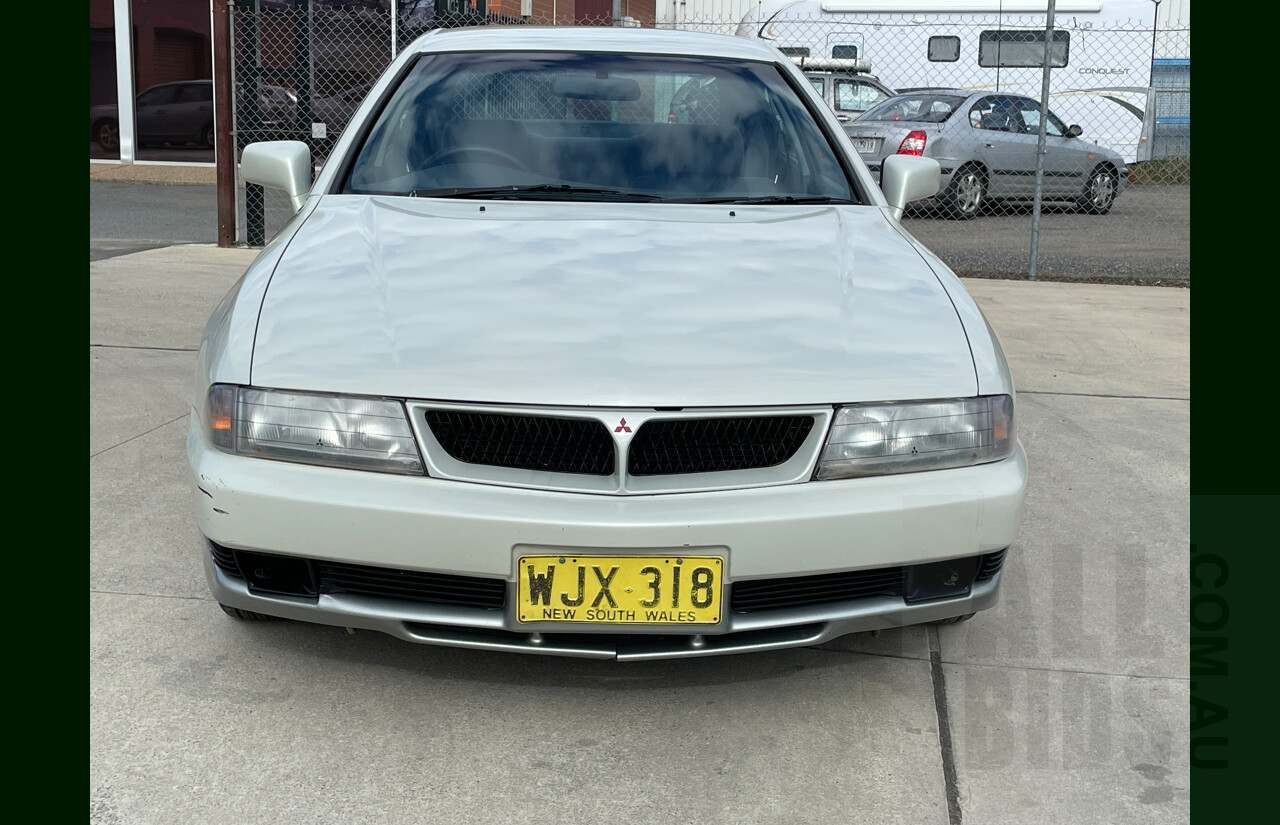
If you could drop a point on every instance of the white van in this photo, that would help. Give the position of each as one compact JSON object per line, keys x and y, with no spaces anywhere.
{"x":1101,"y":52}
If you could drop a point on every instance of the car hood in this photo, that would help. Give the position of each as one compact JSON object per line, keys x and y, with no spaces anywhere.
{"x":620,"y":305}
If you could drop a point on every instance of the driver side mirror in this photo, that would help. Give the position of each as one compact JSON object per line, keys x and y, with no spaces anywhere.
{"x":1074,"y":131}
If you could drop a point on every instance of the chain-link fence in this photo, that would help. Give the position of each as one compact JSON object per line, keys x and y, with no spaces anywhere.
{"x":1113,"y":172}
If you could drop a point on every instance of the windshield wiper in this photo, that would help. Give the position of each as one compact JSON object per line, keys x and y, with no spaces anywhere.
{"x":791,"y":199}
{"x":555,"y":191}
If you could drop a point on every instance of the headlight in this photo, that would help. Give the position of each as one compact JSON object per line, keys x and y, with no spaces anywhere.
{"x":878,"y":439}
{"x":333,"y":430}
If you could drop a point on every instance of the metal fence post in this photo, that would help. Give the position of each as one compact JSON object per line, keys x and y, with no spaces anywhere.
{"x":304,"y":78}
{"x":255,"y":214}
{"x":224,"y":145}
{"x":1040,"y":140}
{"x":254,"y":209}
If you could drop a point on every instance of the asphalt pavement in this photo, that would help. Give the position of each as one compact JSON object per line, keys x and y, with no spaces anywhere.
{"x":1068,"y":702}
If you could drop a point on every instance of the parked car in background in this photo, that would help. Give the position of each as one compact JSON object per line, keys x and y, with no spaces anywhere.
{"x":335,"y":110}
{"x":600,"y":342}
{"x":265,"y":111}
{"x":279,"y":107}
{"x":845,"y":85}
{"x":180,"y":112}
{"x":1101,"y":59}
{"x":986,"y":144}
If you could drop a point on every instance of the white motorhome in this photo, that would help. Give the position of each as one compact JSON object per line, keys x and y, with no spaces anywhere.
{"x":1101,"y":52}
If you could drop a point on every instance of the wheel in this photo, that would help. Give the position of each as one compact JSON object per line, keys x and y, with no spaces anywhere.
{"x":206,"y":136}
{"x":965,"y":195}
{"x":953,"y":620}
{"x":1099,"y":191}
{"x":245,"y":615}
{"x":507,"y":160}
{"x":107,"y":133}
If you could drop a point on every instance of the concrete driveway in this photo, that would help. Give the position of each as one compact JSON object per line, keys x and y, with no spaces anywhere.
{"x":1066,"y":703}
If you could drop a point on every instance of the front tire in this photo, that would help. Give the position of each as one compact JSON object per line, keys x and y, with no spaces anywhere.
{"x":965,"y":195}
{"x":1099,"y":191}
{"x":206,"y":136}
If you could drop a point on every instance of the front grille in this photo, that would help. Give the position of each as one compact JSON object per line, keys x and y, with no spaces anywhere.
{"x":769,"y":594}
{"x":525,"y":442}
{"x":705,"y":445}
{"x":991,"y":564}
{"x":438,"y":588}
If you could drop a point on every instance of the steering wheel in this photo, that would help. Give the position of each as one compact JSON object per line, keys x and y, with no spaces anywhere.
{"x":507,"y":160}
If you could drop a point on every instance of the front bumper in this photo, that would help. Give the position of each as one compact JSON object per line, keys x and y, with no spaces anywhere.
{"x":491,"y":630}
{"x":479,"y":530}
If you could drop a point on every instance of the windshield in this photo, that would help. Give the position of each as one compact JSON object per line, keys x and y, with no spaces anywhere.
{"x":916,"y":108}
{"x":596,"y":127}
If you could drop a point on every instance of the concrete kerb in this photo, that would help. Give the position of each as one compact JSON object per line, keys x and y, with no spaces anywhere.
{"x":153,"y":172}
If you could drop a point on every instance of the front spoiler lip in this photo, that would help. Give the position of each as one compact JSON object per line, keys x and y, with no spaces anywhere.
{"x":488,"y":629}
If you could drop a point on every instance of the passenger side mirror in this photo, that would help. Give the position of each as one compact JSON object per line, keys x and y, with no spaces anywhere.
{"x":1074,"y":131}
{"x":906,"y":178}
{"x":279,"y":164}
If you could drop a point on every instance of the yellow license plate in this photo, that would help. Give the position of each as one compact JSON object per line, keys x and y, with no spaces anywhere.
{"x":635,"y":590}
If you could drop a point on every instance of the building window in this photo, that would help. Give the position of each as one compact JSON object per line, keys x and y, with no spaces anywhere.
{"x":844,"y":52}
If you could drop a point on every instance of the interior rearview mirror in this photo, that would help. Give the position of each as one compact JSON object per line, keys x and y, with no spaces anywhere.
{"x":616,"y":89}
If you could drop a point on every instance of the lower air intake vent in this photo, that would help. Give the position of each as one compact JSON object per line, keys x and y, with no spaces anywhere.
{"x":438,"y":588}
{"x":290,"y":575}
{"x":991,"y":564}
{"x":797,"y":591}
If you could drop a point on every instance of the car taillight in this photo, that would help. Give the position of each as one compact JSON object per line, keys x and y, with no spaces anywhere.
{"x":913,"y":143}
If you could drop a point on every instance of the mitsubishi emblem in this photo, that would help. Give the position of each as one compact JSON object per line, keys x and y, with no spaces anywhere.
{"x":622,"y":427}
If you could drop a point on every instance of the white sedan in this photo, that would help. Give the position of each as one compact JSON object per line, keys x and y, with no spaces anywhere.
{"x":545,"y":363}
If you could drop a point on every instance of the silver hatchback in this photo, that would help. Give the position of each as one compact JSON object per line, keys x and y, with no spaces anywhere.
{"x":986,"y":145}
